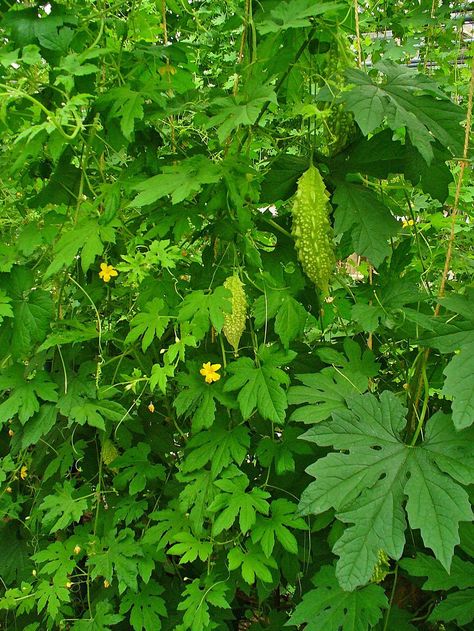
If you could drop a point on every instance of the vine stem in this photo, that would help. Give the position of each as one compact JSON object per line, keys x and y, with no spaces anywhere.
{"x":12,"y":92}
{"x":392,"y":596}
{"x":168,"y":73}
{"x":99,"y":328}
{"x":449,"y":253}
{"x":277,"y":226}
{"x":240,"y":56}
{"x":424,"y":408}
{"x":278,"y":85}
{"x":357,"y":27}
{"x":457,"y":194}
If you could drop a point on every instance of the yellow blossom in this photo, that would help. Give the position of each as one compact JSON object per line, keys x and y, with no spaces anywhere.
{"x":408,"y":222}
{"x":107,"y":271}
{"x":151,"y":407}
{"x":77,"y":549}
{"x":106,"y":584}
{"x":209,"y":371}
{"x":171,"y":70}
{"x":24,"y":472}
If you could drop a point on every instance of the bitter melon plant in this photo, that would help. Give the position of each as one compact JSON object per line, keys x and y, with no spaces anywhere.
{"x":149,"y":479}
{"x":312,"y":230}
{"x":338,"y":124}
{"x":109,"y":451}
{"x":234,"y":322}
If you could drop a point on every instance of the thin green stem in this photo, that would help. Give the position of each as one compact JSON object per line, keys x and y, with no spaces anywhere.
{"x":425,"y":405}
{"x":221,"y":341}
{"x":16,"y":92}
{"x":99,"y":327}
{"x":274,"y":224}
{"x":392,"y":596}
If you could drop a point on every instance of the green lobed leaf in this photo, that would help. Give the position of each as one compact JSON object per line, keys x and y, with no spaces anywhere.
{"x":458,"y":606}
{"x":116,"y":555}
{"x":189,"y":548}
{"x":239,"y":110}
{"x":181,"y":181}
{"x":461,"y":574}
{"x":31,"y":308}
{"x":50,"y":596}
{"x":219,"y":447}
{"x":135,"y":469}
{"x":126,"y":105}
{"x":367,"y":484}
{"x":405,"y":98}
{"x":235,"y":501}
{"x":147,"y":607}
{"x":260,"y":387}
{"x":39,"y":425}
{"x":253,"y":564}
{"x":370,"y":223}
{"x":5,"y":306}
{"x":278,"y":526}
{"x":459,"y":385}
{"x":331,"y":388}
{"x":24,"y":393}
{"x":95,"y":412}
{"x":290,"y":321}
{"x":102,"y":619}
{"x":203,"y":310}
{"x":150,"y":324}
{"x":381,"y":156}
{"x":64,"y":507}
{"x":197,"y":599}
{"x":197,"y":399}
{"x":329,"y":607}
{"x":293,"y":14}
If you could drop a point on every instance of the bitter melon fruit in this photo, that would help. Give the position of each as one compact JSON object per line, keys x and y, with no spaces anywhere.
{"x":234,"y":322}
{"x":338,"y":124}
{"x":109,"y":451}
{"x":312,"y":230}
{"x":382,"y":567}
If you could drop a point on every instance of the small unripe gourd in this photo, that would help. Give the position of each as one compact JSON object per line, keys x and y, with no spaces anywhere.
{"x":234,"y":322}
{"x":382,"y":567}
{"x":339,"y":127}
{"x":109,"y":451}
{"x":312,"y":230}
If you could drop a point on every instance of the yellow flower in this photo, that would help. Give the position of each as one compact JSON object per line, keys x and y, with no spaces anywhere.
{"x":77,"y":549}
{"x":406,"y":223}
{"x":107,"y":271}
{"x":167,"y":70}
{"x":106,"y":584}
{"x":209,"y":371}
{"x":151,"y":407}
{"x":24,"y":472}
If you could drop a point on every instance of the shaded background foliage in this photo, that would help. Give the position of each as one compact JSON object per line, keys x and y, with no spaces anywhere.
{"x":166,"y":140}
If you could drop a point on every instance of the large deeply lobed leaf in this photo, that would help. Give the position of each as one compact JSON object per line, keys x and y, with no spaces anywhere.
{"x":369,"y":480}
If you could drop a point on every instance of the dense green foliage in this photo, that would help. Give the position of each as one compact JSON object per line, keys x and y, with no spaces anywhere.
{"x":194,"y":436}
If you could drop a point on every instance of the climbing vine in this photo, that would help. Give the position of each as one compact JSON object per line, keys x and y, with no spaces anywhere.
{"x":236,"y":316}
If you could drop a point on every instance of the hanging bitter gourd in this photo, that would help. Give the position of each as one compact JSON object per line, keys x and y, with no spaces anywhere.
{"x":382,"y":567}
{"x":234,"y":322}
{"x":109,"y":451}
{"x":339,"y":127}
{"x":312,"y":230}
